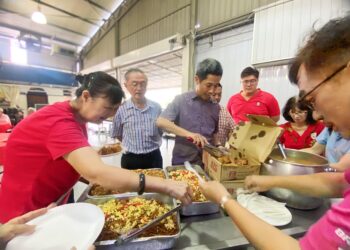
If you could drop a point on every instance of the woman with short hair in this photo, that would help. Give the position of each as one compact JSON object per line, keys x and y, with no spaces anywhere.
{"x":301,"y":129}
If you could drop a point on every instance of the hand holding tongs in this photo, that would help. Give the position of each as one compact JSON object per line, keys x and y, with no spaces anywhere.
{"x":133,"y":234}
{"x":218,"y":152}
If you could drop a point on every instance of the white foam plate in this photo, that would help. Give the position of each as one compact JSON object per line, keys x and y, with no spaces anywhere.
{"x":76,"y":224}
{"x":273,"y":212}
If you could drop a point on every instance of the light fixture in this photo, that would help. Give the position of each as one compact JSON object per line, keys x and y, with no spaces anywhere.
{"x":38,"y":16}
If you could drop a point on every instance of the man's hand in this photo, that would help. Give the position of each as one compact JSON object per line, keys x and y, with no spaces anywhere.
{"x":213,"y":190}
{"x":18,"y":225}
{"x":197,"y":139}
{"x":258,"y":183}
{"x":179,"y":190}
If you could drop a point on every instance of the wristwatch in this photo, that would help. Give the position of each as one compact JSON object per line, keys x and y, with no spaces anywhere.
{"x":225,"y":199}
{"x":142,"y":184}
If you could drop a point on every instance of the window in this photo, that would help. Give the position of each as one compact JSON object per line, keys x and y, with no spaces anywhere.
{"x":18,"y":55}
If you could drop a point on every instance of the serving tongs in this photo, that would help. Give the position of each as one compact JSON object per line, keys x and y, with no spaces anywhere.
{"x":133,"y":234}
{"x":281,"y":148}
{"x":189,"y":167}
{"x":217,"y":152}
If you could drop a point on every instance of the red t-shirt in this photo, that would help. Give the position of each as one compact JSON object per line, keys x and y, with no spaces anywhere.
{"x":291,"y":139}
{"x":332,"y":231}
{"x":35,"y":173}
{"x":261,"y":103}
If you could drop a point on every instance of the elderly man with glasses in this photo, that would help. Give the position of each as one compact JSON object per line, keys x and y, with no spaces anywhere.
{"x":135,"y":125}
{"x":252,"y":100}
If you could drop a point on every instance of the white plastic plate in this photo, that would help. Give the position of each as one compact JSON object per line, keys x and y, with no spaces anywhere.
{"x":62,"y":227}
{"x":273,"y":212}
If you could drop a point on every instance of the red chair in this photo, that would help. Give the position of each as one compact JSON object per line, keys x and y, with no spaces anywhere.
{"x":5,"y":127}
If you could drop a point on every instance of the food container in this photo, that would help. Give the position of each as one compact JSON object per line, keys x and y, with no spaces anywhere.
{"x":153,"y":242}
{"x":297,"y":163}
{"x":196,"y":208}
{"x":112,"y":158}
{"x":127,"y":194}
{"x":250,"y":144}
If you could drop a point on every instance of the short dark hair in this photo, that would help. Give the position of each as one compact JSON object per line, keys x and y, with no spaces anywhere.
{"x":293,"y":104}
{"x":328,"y":47}
{"x":133,"y":70}
{"x":100,"y":84}
{"x":207,"y":67}
{"x":219,"y":85}
{"x":250,"y":71}
{"x":293,"y":71}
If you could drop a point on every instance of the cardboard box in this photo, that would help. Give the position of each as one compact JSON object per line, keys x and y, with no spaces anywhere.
{"x":226,"y":172}
{"x":251,"y":141}
{"x":232,"y":186}
{"x":205,"y":159}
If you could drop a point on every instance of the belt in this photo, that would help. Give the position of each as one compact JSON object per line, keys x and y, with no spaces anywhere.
{"x":126,"y":153}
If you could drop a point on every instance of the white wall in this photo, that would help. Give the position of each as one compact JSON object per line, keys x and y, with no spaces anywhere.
{"x":233,"y":50}
{"x":275,"y":81}
{"x":280,"y":28}
{"x":163,"y":96}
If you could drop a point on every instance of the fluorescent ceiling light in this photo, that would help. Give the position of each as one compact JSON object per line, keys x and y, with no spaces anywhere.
{"x":39,"y":17}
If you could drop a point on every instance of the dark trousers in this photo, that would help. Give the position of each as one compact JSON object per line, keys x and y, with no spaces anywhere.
{"x":142,"y":161}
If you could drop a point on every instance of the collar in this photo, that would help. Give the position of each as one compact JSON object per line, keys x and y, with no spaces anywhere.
{"x":193,"y":95}
{"x":130,"y":105}
{"x":258,"y":91}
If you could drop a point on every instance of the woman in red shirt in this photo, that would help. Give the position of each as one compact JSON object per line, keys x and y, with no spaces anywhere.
{"x":301,"y":129}
{"x":48,"y":151}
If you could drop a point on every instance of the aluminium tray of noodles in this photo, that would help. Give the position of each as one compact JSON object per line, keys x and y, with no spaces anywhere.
{"x":199,"y":204}
{"x":124,"y":213}
{"x":97,"y":191}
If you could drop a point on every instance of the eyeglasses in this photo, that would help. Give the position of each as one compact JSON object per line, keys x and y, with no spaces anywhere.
{"x":298,"y":112}
{"x":140,"y":84}
{"x":311,"y":102}
{"x":252,"y":81}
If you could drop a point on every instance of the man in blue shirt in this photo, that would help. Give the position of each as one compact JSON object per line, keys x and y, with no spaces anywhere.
{"x":335,"y":147}
{"x":134,"y":125}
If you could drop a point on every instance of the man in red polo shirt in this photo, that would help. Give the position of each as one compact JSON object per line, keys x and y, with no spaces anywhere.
{"x":252,"y":100}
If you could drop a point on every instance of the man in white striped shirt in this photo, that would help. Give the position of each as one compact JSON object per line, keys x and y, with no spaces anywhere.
{"x":134,"y":124}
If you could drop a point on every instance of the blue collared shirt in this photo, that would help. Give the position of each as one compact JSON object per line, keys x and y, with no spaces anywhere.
{"x":336,"y":145}
{"x":136,"y":127}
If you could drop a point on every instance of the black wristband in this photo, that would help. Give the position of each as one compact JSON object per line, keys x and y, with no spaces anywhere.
{"x":142,"y":184}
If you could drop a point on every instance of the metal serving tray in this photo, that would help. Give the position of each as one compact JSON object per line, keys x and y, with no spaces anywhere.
{"x":153,"y":242}
{"x":196,"y":208}
{"x":126,"y":194}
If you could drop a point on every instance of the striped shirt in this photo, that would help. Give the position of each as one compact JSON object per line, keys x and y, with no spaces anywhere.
{"x":137,"y":128}
{"x":226,"y":125}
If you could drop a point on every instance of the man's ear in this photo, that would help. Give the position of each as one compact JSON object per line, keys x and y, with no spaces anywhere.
{"x":196,"y":79}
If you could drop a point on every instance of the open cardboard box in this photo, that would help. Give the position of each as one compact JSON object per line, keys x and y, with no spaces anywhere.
{"x":232,"y":186}
{"x":250,"y":141}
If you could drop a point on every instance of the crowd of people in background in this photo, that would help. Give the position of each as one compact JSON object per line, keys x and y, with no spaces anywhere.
{"x":10,"y":117}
